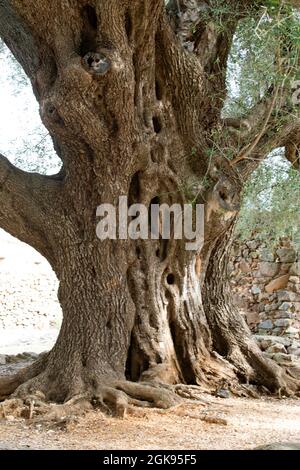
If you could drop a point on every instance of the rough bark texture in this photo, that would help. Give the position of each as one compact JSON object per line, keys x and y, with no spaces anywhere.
{"x":131,"y":112}
{"x":232,"y":338}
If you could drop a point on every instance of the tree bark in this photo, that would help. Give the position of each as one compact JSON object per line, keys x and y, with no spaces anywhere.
{"x":231,"y":335}
{"x":131,"y":114}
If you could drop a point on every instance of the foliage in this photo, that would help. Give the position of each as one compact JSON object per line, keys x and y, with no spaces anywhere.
{"x":260,"y":46}
{"x":271,"y":202}
{"x":271,"y":197}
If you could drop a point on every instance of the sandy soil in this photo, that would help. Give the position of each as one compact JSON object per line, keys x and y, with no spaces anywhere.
{"x":250,"y":423}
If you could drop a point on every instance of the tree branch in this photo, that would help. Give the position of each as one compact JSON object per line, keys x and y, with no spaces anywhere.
{"x":270,"y":116}
{"x":206,"y":28}
{"x":288,"y":136}
{"x":184,"y":80}
{"x":269,"y":124}
{"x":73,"y":40}
{"x":17,"y":37}
{"x":246,"y":151}
{"x":29,"y":204}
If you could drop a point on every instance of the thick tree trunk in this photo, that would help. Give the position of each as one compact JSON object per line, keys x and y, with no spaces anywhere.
{"x":131,"y":114}
{"x":142,"y":321}
{"x":131,"y":313}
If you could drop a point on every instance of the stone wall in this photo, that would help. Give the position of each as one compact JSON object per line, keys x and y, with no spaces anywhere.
{"x":266,"y":284}
{"x":30,"y":314}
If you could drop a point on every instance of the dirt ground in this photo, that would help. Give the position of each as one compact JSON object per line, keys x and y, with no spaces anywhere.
{"x":250,"y":423}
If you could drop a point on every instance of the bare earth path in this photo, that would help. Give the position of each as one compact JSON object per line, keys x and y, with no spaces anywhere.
{"x":250,"y":423}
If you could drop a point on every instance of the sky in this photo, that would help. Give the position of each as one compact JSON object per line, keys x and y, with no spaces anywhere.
{"x":23,"y":138}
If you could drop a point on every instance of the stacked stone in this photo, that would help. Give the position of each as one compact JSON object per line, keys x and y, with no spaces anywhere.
{"x":266,"y":283}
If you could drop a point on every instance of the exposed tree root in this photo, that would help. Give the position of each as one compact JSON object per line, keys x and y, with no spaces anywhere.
{"x":194,"y":410}
{"x":33,"y":397}
{"x":231,"y":335}
{"x":30,"y":400}
{"x":258,"y":369}
{"x":115,"y":399}
{"x":32,"y":392}
{"x":7,"y":386}
{"x":236,"y":346}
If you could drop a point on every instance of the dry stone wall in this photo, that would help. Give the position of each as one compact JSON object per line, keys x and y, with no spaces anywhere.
{"x":266,"y":285}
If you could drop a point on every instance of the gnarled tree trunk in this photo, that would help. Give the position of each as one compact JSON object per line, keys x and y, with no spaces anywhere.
{"x":131,"y":113}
